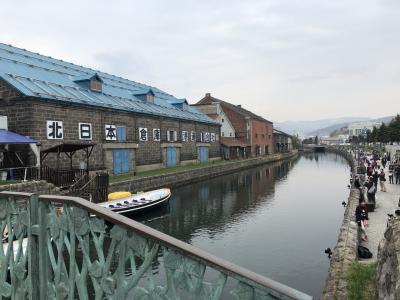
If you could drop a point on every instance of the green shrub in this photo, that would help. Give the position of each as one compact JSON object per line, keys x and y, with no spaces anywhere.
{"x":362,"y":281}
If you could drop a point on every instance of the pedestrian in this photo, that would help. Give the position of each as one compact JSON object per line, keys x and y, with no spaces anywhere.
{"x":397,"y":173}
{"x":384,"y":162}
{"x":371,"y":189}
{"x":362,"y":220}
{"x":375,"y":177}
{"x":357,"y":183}
{"x":382,"y":180}
{"x":391,"y":174}
{"x":369,"y":170}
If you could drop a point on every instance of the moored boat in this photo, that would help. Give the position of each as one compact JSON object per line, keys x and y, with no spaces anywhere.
{"x":138,"y":203}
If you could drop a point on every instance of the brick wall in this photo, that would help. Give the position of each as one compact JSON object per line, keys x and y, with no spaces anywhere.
{"x":28,"y":116}
{"x":261,"y":136}
{"x":188,"y":150}
{"x":6,"y":92}
{"x":238,"y":121}
{"x":186,"y":177}
{"x":19,"y":118}
{"x":215,"y":148}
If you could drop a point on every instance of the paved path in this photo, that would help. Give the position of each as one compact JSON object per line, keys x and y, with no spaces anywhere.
{"x":385,"y":203}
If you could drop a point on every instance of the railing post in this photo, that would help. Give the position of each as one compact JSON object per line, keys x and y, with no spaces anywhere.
{"x":38,"y":253}
{"x":33,"y":258}
{"x":43,"y":252}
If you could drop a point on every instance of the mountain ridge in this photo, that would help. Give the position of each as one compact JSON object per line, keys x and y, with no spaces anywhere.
{"x":323,"y":126}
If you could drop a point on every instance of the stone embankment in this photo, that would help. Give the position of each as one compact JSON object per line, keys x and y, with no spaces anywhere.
{"x":388,"y":269}
{"x":345,"y":251}
{"x":37,"y":187}
{"x":185,"y":177}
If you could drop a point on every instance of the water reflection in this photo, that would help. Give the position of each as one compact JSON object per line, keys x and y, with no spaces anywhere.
{"x":216,"y":204}
{"x":275,"y":219}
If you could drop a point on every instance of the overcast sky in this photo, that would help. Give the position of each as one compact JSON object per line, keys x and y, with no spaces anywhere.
{"x":282,"y":59}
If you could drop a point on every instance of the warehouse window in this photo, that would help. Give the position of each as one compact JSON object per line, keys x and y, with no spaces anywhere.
{"x":91,"y":82}
{"x":150,"y":98}
{"x":172,"y":136}
{"x":95,"y":85}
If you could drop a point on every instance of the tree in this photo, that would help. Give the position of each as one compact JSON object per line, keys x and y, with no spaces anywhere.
{"x":394,"y":129}
{"x":374,"y":134}
{"x":383,"y":134}
{"x":295,"y":141}
{"x":369,"y":136}
{"x":386,"y":133}
{"x":354,"y":139}
{"x":316,"y":140}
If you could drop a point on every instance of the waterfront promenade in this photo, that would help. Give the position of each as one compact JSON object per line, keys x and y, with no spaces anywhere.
{"x":386,"y":203}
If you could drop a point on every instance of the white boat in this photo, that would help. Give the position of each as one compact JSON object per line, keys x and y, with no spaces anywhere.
{"x":138,"y":203}
{"x":15,"y":246}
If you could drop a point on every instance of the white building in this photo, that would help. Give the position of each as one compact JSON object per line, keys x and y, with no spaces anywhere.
{"x":361,"y":128}
{"x":215,"y":112}
{"x":340,"y":139}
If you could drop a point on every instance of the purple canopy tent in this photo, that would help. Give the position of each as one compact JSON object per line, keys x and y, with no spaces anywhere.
{"x":12,"y":138}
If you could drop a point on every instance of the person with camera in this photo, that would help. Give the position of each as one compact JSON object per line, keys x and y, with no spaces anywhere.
{"x":371,"y":189}
{"x":391,"y":173}
{"x":362,"y":219}
{"x":397,"y":173}
{"x":382,"y":180}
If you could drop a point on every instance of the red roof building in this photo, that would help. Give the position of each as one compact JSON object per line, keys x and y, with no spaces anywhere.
{"x":243,"y":133}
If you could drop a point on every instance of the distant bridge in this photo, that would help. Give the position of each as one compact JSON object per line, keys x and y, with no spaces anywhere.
{"x":314,"y":147}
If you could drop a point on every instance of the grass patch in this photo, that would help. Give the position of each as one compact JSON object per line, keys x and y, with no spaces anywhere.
{"x":362,"y":281}
{"x":116,"y":178}
{"x":7,"y":182}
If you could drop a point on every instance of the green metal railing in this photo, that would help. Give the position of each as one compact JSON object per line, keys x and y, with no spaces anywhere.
{"x":61,"y":247}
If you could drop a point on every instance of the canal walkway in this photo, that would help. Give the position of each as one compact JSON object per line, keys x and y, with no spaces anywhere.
{"x":386,"y":203}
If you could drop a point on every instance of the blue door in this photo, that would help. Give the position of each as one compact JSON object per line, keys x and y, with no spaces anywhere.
{"x":120,"y":161}
{"x":203,"y":154}
{"x":171,"y":157}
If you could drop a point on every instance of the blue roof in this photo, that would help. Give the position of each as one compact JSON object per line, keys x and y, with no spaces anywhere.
{"x":178,"y":101}
{"x":44,"y":77}
{"x":87,"y":77}
{"x":9,"y":137}
{"x":143,"y":92}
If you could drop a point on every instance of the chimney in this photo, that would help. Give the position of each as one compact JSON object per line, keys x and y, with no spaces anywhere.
{"x":208,"y":94}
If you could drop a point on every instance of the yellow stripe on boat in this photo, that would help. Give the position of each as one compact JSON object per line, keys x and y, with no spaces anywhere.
{"x":118,"y":195}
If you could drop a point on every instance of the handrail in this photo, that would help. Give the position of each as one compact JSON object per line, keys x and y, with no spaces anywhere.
{"x":18,"y":175}
{"x":18,"y":168}
{"x":185,"y":249}
{"x":87,"y":183}
{"x":78,"y":181}
{"x":169,"y":241}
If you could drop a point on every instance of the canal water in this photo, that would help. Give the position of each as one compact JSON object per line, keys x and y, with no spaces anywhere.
{"x":275,"y":220}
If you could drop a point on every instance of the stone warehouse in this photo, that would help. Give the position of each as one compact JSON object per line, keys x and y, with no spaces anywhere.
{"x":283,"y":142}
{"x":131,"y":126}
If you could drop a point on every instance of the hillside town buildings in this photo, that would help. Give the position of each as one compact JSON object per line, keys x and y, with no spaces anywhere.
{"x":361,"y":128}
